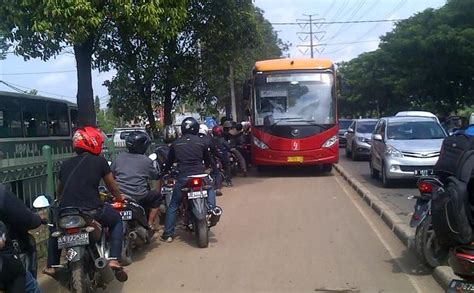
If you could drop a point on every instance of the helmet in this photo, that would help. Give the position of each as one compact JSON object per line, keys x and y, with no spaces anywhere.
{"x":217,"y":131}
{"x":203,"y":129}
{"x":190,"y":126}
{"x":227,"y":124}
{"x":137,"y":142}
{"x":169,"y":134}
{"x":88,"y":139}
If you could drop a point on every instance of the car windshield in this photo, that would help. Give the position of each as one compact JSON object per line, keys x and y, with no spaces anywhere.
{"x":297,"y":98}
{"x":414,"y":130}
{"x":344,"y":124}
{"x":366,"y":126}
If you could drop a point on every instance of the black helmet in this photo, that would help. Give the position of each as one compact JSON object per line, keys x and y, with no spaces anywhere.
{"x":190,"y":126}
{"x":169,"y":134}
{"x":137,"y":142}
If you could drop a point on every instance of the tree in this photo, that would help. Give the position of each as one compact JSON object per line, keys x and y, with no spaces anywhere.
{"x":41,"y":29}
{"x":4,"y":46}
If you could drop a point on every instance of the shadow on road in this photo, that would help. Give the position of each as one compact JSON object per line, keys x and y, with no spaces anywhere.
{"x":410,"y":263}
{"x":292,"y":171}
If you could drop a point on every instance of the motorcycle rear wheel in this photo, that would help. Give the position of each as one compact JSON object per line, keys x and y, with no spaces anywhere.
{"x":127,"y":251}
{"x":202,"y":233}
{"x":80,"y":279}
{"x":426,"y":247}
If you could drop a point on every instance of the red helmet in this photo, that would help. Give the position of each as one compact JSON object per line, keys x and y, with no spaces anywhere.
{"x":88,"y":139}
{"x":217,"y":131}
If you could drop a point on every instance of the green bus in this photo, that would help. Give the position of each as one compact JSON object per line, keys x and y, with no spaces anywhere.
{"x":28,"y":122}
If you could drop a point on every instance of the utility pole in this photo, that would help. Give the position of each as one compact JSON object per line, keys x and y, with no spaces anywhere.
{"x":313,"y":35}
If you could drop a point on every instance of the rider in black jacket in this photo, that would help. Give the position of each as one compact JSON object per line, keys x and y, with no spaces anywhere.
{"x":191,"y":153}
{"x":17,"y":219}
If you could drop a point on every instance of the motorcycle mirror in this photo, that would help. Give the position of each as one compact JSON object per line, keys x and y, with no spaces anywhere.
{"x":153,"y":157}
{"x":41,"y":202}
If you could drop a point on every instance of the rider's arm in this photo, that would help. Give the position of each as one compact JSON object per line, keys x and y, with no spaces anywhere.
{"x":18,"y":215}
{"x":170,"y":160}
{"x":112,"y":185}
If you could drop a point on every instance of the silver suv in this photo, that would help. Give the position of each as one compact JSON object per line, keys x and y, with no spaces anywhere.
{"x":404,"y":147}
{"x":358,"y":136}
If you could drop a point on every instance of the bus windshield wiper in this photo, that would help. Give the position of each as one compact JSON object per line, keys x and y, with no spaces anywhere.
{"x":285,"y":119}
{"x":312,"y":123}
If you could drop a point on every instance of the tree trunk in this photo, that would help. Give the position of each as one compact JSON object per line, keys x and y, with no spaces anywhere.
{"x":146,"y":99}
{"x":168,"y":106}
{"x":232,"y":93}
{"x":85,"y":94}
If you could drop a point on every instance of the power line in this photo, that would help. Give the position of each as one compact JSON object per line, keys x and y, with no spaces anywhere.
{"x":339,"y":22}
{"x":311,"y":34}
{"x":12,"y":85}
{"x":39,"y":72}
{"x":346,"y":43}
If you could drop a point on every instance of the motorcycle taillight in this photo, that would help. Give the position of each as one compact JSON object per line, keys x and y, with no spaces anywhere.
{"x":425,"y":187}
{"x":118,"y":205}
{"x":72,"y":230}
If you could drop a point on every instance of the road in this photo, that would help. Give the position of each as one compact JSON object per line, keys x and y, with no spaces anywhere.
{"x":284,"y":231}
{"x":397,"y":197}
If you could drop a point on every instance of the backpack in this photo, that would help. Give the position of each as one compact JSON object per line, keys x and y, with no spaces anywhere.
{"x":454,"y":152}
{"x":451,"y":207}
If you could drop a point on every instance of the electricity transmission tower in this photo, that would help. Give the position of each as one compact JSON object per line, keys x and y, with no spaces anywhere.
{"x":313,"y":35}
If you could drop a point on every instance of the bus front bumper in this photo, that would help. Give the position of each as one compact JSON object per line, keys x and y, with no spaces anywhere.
{"x":310,"y":157}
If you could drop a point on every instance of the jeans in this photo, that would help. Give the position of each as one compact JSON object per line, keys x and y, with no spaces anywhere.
{"x":176,"y":199}
{"x":108,"y":217}
{"x":31,"y":285}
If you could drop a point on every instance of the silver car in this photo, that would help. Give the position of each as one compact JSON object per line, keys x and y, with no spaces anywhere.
{"x":358,"y":136}
{"x":404,"y":147}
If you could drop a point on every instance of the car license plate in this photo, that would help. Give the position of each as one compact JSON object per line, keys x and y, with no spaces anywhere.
{"x":424,"y":172}
{"x":296,"y":159}
{"x":73,"y":240}
{"x":197,"y":194}
{"x":126,"y":215}
{"x":460,"y":286}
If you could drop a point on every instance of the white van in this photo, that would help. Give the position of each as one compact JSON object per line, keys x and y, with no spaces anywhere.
{"x":121,"y":133}
{"x":418,"y":114}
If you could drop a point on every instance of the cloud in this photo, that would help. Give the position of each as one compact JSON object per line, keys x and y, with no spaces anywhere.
{"x":64,"y":61}
{"x":51,"y":80}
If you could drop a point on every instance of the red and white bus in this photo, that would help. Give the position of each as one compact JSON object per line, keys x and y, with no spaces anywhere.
{"x":294,"y":113}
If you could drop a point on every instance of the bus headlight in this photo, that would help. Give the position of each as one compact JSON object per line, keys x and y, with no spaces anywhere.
{"x":259,"y":143}
{"x":330,"y":142}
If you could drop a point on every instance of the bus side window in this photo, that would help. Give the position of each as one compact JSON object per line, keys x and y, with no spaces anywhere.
{"x":34,"y":118}
{"x":10,"y":119}
{"x":58,"y":119}
{"x":73,"y":113}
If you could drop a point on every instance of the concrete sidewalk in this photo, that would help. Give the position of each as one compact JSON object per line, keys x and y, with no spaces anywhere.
{"x":443,"y":274}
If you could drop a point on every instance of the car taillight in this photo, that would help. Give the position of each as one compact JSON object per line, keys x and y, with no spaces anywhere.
{"x":118,"y":205}
{"x":425,"y":187}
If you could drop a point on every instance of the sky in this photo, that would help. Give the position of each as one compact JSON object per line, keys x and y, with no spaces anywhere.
{"x":57,"y":77}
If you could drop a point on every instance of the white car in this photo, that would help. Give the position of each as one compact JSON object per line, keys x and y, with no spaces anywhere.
{"x":121,"y":133}
{"x":418,"y":114}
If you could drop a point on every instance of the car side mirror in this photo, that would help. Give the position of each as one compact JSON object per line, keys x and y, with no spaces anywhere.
{"x":350,"y":130}
{"x":377,"y":137}
{"x":41,"y":202}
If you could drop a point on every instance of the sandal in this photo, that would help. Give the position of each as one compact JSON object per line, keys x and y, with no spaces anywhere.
{"x":49,"y":272}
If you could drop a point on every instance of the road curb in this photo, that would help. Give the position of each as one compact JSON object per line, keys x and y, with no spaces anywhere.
{"x":443,"y":274}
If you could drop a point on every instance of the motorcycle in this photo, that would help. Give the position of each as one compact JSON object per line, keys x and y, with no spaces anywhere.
{"x":461,"y":260}
{"x":426,"y":246}
{"x":237,"y":162}
{"x":136,"y":230}
{"x":86,"y":247}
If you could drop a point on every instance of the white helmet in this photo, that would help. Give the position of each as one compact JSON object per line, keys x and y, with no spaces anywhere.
{"x":203,"y":129}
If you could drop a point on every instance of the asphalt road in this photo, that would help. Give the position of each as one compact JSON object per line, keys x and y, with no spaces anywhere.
{"x":286,"y":231}
{"x":396,"y":197}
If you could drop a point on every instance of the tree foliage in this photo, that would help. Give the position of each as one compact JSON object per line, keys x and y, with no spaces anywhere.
{"x":193,"y":67}
{"x":41,"y":29}
{"x":426,"y":62}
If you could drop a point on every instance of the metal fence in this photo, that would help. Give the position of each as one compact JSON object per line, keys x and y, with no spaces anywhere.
{"x":30,"y":176}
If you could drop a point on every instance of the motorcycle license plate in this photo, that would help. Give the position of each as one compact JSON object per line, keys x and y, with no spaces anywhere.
{"x":78,"y":239}
{"x":166,"y":190}
{"x":460,"y":286}
{"x":424,"y":172}
{"x":296,"y":159}
{"x":126,"y":215}
{"x":197,"y":194}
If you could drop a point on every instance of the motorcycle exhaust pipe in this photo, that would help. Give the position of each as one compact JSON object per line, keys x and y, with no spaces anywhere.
{"x":215,"y":216}
{"x":142,"y":233}
{"x":106,"y":273}
{"x":133,"y":235}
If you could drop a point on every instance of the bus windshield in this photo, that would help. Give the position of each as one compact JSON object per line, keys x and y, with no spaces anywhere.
{"x":294,"y":99}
